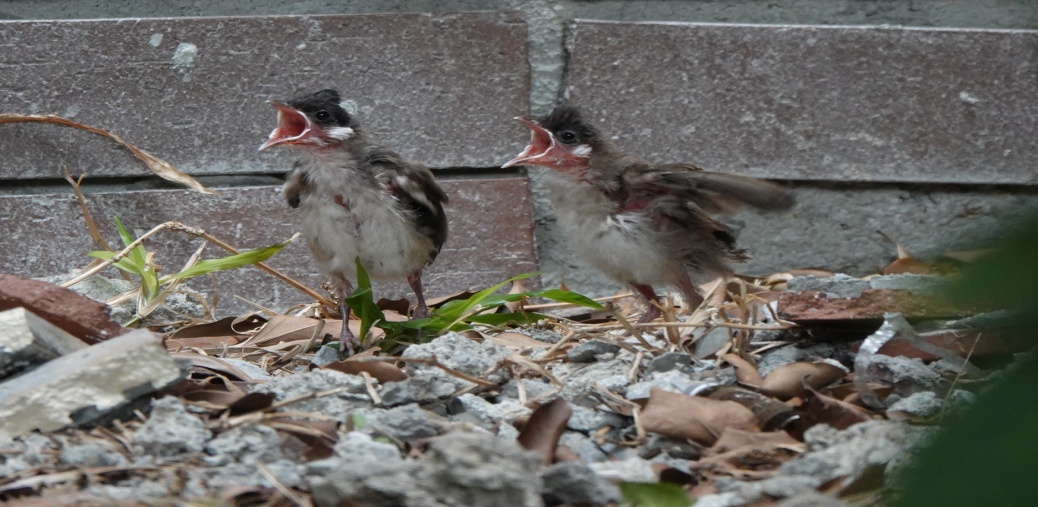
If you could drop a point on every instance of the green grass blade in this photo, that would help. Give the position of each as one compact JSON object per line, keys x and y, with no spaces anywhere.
{"x":246,"y":258}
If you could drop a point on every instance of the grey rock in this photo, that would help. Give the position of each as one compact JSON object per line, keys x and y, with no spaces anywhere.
{"x":92,"y":454}
{"x":591,"y":350}
{"x":79,"y":387}
{"x":26,"y":340}
{"x":780,"y":486}
{"x":355,"y":444}
{"x":244,"y":444}
{"x":719,"y":500}
{"x":668,"y":361}
{"x":423,"y":386}
{"x":906,"y":376}
{"x":580,"y":379}
{"x":786,"y":354}
{"x":337,"y":406}
{"x":586,"y":450}
{"x":491,"y":415}
{"x":170,"y":431}
{"x":575,"y":483}
{"x":923,"y":404}
{"x":710,"y":342}
{"x":535,"y":388}
{"x":479,"y":469}
{"x":407,"y":422}
{"x":631,"y":469}
{"x":325,"y":355}
{"x":671,"y":381}
{"x":131,"y":490}
{"x":811,"y":499}
{"x":31,"y":451}
{"x":203,"y":481}
{"x":376,"y":482}
{"x":462,"y":354}
{"x":850,"y":452}
{"x":590,"y":420}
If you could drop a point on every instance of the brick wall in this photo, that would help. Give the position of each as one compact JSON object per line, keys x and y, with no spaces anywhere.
{"x":924,"y":134}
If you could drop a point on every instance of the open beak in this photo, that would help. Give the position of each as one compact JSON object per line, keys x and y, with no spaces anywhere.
{"x":293,"y":127}
{"x":542,"y":149}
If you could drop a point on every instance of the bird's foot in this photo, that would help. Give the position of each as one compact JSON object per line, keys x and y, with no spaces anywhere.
{"x":348,"y":342}
{"x":651,"y":313}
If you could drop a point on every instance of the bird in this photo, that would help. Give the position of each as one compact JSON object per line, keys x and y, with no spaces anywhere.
{"x":642,"y":224}
{"x":357,"y":199}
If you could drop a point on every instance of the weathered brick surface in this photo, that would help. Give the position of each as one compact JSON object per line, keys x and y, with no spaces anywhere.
{"x":816,"y":103}
{"x":490,"y":220}
{"x":438,"y":89}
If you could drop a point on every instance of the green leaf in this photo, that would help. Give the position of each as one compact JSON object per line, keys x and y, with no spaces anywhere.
{"x":660,"y":494}
{"x":138,"y":255}
{"x":565,"y":296}
{"x":362,"y":302}
{"x":500,"y":319}
{"x":246,"y":258}
{"x":123,"y":264}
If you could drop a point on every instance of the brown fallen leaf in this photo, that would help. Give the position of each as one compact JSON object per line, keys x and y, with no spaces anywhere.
{"x":691,"y":417}
{"x":749,"y":454}
{"x":787,"y":381}
{"x":160,"y":167}
{"x":745,"y":372}
{"x":819,"y":408}
{"x":213,"y":363}
{"x":382,"y":371}
{"x":517,"y":341}
{"x":545,"y":427}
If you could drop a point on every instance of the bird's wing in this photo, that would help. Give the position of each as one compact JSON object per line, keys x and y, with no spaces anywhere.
{"x":713,"y":192}
{"x":414,"y":186}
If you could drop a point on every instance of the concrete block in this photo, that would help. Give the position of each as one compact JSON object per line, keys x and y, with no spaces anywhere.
{"x":491,"y":237}
{"x":815,"y":102}
{"x":438,"y":89}
{"x":77,"y":387}
{"x":27,"y":340}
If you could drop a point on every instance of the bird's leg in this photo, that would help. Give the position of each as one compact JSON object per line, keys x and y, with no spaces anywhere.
{"x":347,"y":341}
{"x":688,"y":289}
{"x":420,"y":309}
{"x":653,"y":310}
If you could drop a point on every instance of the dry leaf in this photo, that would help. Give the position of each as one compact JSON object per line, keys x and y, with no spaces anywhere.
{"x":545,"y":427}
{"x":160,"y":167}
{"x":698,"y":419}
{"x":745,"y":372}
{"x":517,"y":341}
{"x":214,"y":364}
{"x":819,"y":408}
{"x":383,"y":371}
{"x":787,"y":381}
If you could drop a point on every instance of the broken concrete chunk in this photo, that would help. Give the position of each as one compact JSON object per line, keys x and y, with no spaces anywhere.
{"x":27,"y":340}
{"x":77,"y":387}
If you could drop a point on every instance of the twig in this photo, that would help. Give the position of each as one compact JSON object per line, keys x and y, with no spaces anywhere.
{"x":284,"y":490}
{"x":650,"y":325}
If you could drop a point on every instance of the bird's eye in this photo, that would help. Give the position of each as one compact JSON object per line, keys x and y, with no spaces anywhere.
{"x":322,"y":115}
{"x":567,"y":137}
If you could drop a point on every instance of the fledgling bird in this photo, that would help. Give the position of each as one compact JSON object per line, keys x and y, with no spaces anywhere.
{"x":641,"y":224}
{"x":356,"y":199}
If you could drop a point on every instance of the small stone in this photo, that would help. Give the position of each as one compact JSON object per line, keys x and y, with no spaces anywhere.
{"x":356,"y":443}
{"x":92,"y":454}
{"x":923,"y":405}
{"x":407,"y":422}
{"x":668,"y":361}
{"x":470,"y":468}
{"x":170,"y":431}
{"x":632,"y":469}
{"x":590,"y":351}
{"x":588,"y":420}
{"x":244,"y":444}
{"x":575,"y":483}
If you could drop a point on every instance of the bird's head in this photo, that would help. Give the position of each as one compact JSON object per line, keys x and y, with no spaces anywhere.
{"x":561,"y":140}
{"x":313,"y":122}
